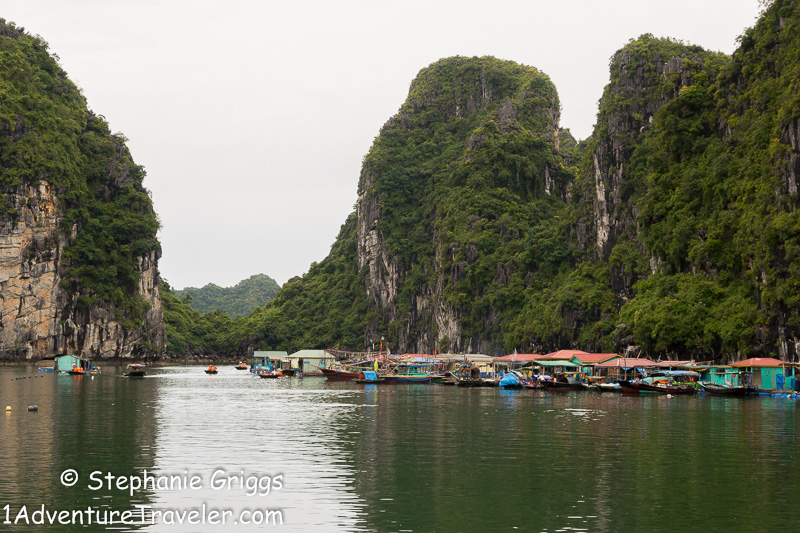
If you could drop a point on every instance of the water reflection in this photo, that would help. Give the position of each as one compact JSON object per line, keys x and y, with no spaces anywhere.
{"x":91,"y":424}
{"x":404,"y":458}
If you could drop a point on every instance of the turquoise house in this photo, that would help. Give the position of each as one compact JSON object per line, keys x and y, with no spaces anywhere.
{"x":768,"y":373}
{"x":65,"y":363}
{"x":723,"y":375}
{"x":263,"y":359}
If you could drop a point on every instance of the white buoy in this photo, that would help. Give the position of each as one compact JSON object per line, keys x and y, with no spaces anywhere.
{"x":8,"y":407}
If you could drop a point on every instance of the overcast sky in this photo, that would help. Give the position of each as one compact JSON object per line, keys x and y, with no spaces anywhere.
{"x":252,"y":118}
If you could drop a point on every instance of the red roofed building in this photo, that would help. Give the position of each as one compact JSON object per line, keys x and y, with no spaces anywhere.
{"x":760,"y":362}
{"x":767,"y":373}
{"x":564,"y":354}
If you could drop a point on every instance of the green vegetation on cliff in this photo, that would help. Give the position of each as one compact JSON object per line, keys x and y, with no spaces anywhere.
{"x":239,"y":300}
{"x":49,"y":137}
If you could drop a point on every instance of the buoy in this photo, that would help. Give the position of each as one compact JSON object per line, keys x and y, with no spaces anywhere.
{"x":33,"y":408}
{"x":8,"y":407}
{"x":669,"y":395}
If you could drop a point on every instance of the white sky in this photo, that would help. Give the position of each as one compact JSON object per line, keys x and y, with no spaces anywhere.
{"x":252,"y":117}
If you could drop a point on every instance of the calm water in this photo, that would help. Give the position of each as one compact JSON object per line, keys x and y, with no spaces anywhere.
{"x":347,"y":457}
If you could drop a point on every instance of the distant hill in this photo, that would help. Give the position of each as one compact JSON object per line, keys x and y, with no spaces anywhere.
{"x":239,"y":300}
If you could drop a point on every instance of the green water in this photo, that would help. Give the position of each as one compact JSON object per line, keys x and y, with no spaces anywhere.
{"x":348,"y":457}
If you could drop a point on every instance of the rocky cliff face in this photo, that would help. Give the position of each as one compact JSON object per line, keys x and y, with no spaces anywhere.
{"x":645,"y":75}
{"x":78,"y":254}
{"x":39,"y":317}
{"x":420,"y":272}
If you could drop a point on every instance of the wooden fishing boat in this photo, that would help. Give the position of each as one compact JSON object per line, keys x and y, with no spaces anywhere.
{"x":723,"y":390}
{"x":135,"y":371}
{"x":562,"y":385}
{"x":269,"y":374}
{"x":602,"y":387}
{"x":338,"y":374}
{"x":639,"y":387}
{"x":407,"y":378}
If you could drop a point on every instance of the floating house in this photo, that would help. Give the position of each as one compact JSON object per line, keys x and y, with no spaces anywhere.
{"x":625,"y":368}
{"x":265,"y":360}
{"x":65,"y":363}
{"x":588,"y":361}
{"x":556,"y":367}
{"x":724,"y":375}
{"x":766,"y":373}
{"x":311,"y":361}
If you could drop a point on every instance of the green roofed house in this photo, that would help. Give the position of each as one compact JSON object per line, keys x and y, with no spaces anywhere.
{"x":311,"y":361}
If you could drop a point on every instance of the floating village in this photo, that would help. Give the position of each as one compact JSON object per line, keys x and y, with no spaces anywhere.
{"x":563,"y":370}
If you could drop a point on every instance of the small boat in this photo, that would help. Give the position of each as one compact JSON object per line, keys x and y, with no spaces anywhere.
{"x":511,"y":380}
{"x":602,"y":387}
{"x":468,"y":376}
{"x":564,"y":383}
{"x":77,"y":371}
{"x":135,"y":371}
{"x":270,"y":374}
{"x":241,"y":366}
{"x":211,"y":369}
{"x":407,"y":378}
{"x":724,"y":390}
{"x":639,"y":387}
{"x":338,"y":374}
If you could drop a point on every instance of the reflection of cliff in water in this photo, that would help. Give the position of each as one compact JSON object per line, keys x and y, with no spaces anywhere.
{"x":101,"y":424}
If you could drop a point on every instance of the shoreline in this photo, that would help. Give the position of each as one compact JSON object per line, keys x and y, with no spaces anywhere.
{"x":122,"y":361}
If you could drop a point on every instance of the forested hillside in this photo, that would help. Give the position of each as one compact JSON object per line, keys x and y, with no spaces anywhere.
{"x":239,"y":300}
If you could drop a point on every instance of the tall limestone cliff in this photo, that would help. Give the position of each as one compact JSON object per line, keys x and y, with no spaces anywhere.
{"x":691,"y":182}
{"x":78,"y":251}
{"x":447,"y":196}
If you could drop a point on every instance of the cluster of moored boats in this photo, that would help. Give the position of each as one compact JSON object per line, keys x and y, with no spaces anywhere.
{"x":470,"y":375}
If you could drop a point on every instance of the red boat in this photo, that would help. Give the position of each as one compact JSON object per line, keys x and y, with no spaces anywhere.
{"x":338,"y":374}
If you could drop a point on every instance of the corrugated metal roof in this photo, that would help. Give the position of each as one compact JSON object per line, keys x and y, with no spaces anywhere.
{"x":627,"y":362}
{"x":595,"y":357}
{"x":524,"y":357}
{"x":564,"y":354}
{"x":760,"y":361}
{"x":311,"y":354}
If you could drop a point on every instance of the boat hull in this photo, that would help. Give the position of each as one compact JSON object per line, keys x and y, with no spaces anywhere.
{"x":338,"y":375}
{"x":630,"y":387}
{"x":407,"y":379}
{"x":716,"y":390}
